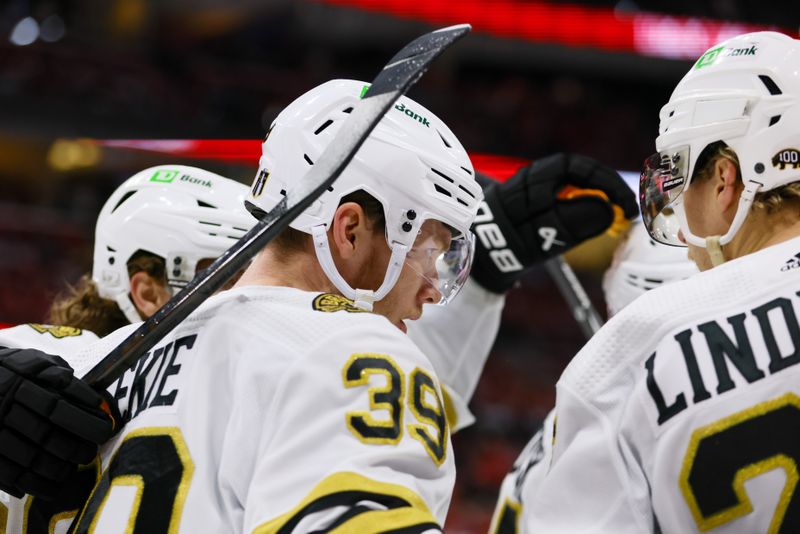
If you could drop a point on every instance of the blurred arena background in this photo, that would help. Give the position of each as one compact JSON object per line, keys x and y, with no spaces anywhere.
{"x":534,"y":78}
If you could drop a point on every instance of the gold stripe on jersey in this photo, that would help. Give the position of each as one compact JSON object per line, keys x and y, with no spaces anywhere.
{"x":390,"y":398}
{"x":57,"y":332}
{"x":506,"y":521}
{"x":406,"y":509}
{"x":436,"y":447}
{"x":4,"y":518}
{"x":388,"y":520}
{"x":746,"y":472}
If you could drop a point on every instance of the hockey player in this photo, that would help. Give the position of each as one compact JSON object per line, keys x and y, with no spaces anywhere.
{"x":280,"y":404}
{"x":639,"y":265}
{"x":680,"y":414}
{"x":154,"y":231}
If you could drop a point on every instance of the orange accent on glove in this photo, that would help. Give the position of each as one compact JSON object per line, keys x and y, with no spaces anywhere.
{"x":618,"y":225}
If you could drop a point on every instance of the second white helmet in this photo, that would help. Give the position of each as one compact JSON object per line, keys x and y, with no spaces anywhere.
{"x":182,"y":214}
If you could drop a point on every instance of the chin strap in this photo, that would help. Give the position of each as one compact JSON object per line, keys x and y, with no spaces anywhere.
{"x":714,"y":250}
{"x":128,"y":309}
{"x":362,"y":298}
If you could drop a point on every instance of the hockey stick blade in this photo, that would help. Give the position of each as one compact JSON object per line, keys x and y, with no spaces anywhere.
{"x":399,"y":74}
{"x":583,"y":310}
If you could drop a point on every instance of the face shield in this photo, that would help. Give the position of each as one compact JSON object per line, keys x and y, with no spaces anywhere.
{"x":661,"y":184}
{"x":442,"y":257}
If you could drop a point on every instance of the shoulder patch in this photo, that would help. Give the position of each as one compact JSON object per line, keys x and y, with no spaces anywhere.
{"x":56,"y":331}
{"x":329,"y":303}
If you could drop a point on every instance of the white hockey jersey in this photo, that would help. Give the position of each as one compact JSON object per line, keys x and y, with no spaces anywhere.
{"x":272,"y":409}
{"x":683,"y":413}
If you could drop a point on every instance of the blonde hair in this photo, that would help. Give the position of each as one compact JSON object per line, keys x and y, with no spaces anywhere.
{"x":81,"y":305}
{"x":768,"y":202}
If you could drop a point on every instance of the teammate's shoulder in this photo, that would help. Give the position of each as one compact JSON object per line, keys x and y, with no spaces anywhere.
{"x":42,"y":336}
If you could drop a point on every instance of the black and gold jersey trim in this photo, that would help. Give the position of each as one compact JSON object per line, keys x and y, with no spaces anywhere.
{"x":405,"y":511}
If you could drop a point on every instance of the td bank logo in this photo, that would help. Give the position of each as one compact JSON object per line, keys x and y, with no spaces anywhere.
{"x":710,"y":57}
{"x":164,"y":176}
{"x":167,"y":177}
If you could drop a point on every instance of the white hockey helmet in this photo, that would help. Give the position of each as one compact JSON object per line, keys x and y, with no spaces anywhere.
{"x":182,"y":214}
{"x":639,"y":265}
{"x":744,"y":92}
{"x":411,"y":163}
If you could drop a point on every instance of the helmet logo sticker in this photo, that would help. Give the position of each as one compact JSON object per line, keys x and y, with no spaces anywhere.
{"x":261,"y":180}
{"x":167,"y":177}
{"x":420,"y":118}
{"x":786,"y":156}
{"x":710,"y":57}
{"x":164,"y":176}
{"x":672,"y":183}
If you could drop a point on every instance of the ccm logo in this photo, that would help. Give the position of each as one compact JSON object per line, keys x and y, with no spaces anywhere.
{"x":494,"y":241}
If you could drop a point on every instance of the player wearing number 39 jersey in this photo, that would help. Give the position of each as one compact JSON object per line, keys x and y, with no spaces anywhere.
{"x":284,"y":404}
{"x":682,"y":414}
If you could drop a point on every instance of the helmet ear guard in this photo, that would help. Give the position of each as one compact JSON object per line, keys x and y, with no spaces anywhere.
{"x":744,"y":92}
{"x":412,"y":164}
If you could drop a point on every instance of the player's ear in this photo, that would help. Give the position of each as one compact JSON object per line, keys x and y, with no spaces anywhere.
{"x":727,"y":186}
{"x":348,"y":230}
{"x":147,"y":293}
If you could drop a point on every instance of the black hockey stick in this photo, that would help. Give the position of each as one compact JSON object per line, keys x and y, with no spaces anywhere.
{"x":402,"y":71}
{"x":578,"y":301}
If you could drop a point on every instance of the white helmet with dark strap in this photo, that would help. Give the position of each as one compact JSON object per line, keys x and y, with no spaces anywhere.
{"x":411,"y":163}
{"x":181,"y":214}
{"x":744,"y":92}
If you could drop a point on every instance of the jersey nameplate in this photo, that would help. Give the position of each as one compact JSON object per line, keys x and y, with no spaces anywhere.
{"x":329,"y":303}
{"x":714,"y":361}
{"x":57,"y":332}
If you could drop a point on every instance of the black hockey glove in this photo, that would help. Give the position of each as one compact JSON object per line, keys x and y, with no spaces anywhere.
{"x":50,"y":422}
{"x":545,"y":209}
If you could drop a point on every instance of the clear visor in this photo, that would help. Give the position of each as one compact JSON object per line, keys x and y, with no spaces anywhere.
{"x":442,"y":257}
{"x":661,"y":183}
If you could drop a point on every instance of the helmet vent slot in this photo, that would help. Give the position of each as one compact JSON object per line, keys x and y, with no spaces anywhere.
{"x":324,"y":125}
{"x":467,"y":191}
{"x":308,"y":160}
{"x":205,"y":204}
{"x":210,"y":223}
{"x":283,"y":192}
{"x":774,"y":119}
{"x":772,"y":87}
{"x":125,"y":197}
{"x":448,"y":145}
{"x":347,"y":110}
{"x":466,"y":170}
{"x":443,"y":175}
{"x":442,"y":190}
